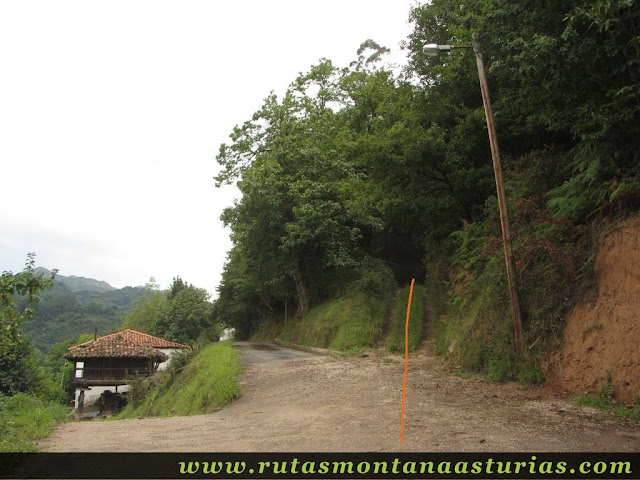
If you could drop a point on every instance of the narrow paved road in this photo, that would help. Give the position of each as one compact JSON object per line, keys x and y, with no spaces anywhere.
{"x":321,"y":403}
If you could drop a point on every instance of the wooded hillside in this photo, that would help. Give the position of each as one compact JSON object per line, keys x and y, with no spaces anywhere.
{"x":77,"y":305}
{"x":358,"y":171}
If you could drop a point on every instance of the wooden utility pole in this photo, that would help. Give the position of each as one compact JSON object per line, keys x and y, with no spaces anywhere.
{"x":502,"y":203}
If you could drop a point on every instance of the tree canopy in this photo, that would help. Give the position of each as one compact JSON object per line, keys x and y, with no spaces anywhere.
{"x":365,"y":162}
{"x":19,"y":361}
{"x":184,"y":313}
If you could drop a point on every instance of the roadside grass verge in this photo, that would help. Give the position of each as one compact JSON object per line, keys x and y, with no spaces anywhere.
{"x":207,"y":382}
{"x":632,"y":412}
{"x":24,"y":419}
{"x":347,"y":323}
{"x":395,"y":340}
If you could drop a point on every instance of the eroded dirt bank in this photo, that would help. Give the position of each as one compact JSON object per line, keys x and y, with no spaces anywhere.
{"x":602,"y":336}
{"x":353,"y":404}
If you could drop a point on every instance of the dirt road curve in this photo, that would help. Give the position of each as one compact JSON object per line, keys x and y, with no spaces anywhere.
{"x":253,"y":353}
{"x":322,"y":403}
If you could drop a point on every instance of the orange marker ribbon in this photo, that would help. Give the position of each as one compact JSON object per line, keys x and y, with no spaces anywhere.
{"x":406,"y":363}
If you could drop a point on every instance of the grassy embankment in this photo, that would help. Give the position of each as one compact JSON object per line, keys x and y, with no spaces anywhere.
{"x":25,"y":418}
{"x":352,"y":322}
{"x":396,"y":338}
{"x":345,"y":324}
{"x":199,"y":381}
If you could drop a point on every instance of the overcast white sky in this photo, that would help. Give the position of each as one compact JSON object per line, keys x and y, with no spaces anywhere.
{"x":112,"y":112}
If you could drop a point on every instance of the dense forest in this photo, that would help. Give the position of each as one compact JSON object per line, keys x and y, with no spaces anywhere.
{"x":360,"y":178}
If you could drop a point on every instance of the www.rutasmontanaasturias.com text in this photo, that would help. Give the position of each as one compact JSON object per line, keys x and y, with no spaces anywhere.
{"x":399,"y":467}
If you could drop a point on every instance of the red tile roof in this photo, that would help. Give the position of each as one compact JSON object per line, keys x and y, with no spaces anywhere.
{"x":125,"y":344}
{"x":113,"y":347}
{"x":144,"y":339}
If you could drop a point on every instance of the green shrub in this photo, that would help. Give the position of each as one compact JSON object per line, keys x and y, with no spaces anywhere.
{"x":375,"y":278}
{"x":141,"y":387}
{"x":530,"y":373}
{"x":210,"y":334}
{"x":501,"y":363}
{"x":25,"y":418}
{"x":182,"y":358}
{"x":606,"y":390}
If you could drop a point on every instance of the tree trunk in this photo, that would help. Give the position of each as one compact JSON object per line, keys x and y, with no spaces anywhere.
{"x":301,"y":289}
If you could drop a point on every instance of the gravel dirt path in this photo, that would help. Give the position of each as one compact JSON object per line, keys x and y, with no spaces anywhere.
{"x":324,"y":403}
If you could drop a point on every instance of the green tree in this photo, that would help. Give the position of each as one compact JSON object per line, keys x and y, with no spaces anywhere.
{"x":601,"y":43}
{"x":185,"y":313}
{"x":26,"y":283}
{"x":240,"y":302}
{"x":146,"y":309}
{"x":297,"y":216}
{"x":564,"y":76}
{"x":19,"y":360}
{"x":59,"y":372}
{"x":20,"y":369}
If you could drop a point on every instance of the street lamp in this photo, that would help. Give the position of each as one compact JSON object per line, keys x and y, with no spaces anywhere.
{"x":432,"y":50}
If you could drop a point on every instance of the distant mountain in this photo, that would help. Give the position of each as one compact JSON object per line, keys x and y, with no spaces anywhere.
{"x":78,"y":305}
{"x":79,"y":284}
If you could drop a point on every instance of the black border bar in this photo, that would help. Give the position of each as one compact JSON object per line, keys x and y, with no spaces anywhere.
{"x":311,"y":465}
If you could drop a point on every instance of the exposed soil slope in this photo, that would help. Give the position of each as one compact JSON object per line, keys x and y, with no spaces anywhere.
{"x":353,"y":404}
{"x":602,"y":336}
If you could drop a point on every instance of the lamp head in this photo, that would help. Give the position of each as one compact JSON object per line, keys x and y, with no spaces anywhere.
{"x":433,"y":49}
